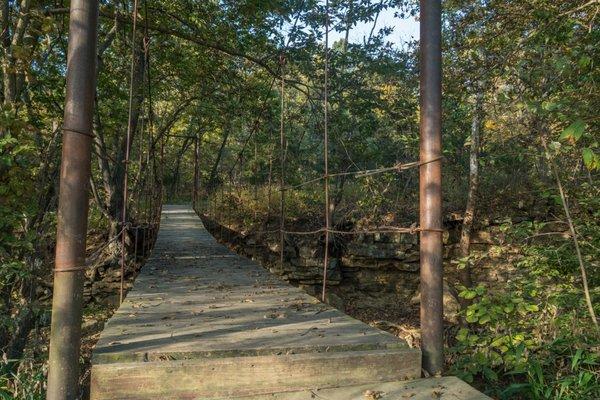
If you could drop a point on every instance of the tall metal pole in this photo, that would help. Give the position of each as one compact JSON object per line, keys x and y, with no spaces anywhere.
{"x":67,"y":301}
{"x":430,"y":188}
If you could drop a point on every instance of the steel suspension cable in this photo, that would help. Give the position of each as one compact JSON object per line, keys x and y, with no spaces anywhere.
{"x":326,"y":149}
{"x":282,"y":161}
{"x":127,"y":149}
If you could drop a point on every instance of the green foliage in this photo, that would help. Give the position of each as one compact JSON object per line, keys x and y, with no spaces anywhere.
{"x":573,"y":132}
{"x":216,"y":76}
{"x":591,"y":159}
{"x":532,"y":339}
{"x":26,"y":383}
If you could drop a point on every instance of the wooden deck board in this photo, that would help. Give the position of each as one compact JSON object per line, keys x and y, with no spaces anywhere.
{"x":445,"y":388}
{"x":204,"y":323}
{"x":195,"y":298}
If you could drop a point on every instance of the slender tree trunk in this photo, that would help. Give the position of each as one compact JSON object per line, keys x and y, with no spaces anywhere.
{"x":213,"y":173}
{"x":114,"y":186}
{"x":348,"y":23}
{"x":9,"y":43}
{"x":8,"y":76}
{"x":471,"y":208}
{"x":176,"y":172}
{"x":196,"y":173}
{"x":563,"y":196}
{"x":336,"y":200}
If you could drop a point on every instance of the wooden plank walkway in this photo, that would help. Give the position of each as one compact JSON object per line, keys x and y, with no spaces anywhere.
{"x":204,"y":323}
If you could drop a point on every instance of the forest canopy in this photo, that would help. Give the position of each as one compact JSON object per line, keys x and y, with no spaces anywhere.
{"x":238,"y":86}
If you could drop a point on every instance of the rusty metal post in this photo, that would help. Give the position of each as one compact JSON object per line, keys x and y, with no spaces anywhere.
{"x":430,"y":188}
{"x":67,"y":300}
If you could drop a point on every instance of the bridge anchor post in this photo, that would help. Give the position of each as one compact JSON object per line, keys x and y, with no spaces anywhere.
{"x":430,"y":188}
{"x":69,"y":269}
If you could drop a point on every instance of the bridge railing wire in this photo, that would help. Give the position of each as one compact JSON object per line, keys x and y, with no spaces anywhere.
{"x":142,"y":192}
{"x":216,"y":209}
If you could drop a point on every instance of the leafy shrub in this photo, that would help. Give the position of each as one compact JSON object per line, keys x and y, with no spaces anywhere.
{"x":534,"y":338}
{"x":26,"y":383}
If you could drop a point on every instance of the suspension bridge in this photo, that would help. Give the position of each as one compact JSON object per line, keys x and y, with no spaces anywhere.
{"x":204,"y":323}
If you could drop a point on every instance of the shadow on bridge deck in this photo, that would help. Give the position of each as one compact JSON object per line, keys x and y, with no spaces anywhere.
{"x":204,"y":323}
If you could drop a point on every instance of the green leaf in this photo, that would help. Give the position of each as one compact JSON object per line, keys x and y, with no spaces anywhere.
{"x":532,"y":308}
{"x":574,"y":131}
{"x":472,"y":318}
{"x":490,"y":374}
{"x":462,"y":334}
{"x":586,"y":377}
{"x":584,"y":61}
{"x":549,"y":105}
{"x":515,"y":388}
{"x":576,"y":358}
{"x":468,"y":294}
{"x":590,"y":159}
{"x":467,"y":377}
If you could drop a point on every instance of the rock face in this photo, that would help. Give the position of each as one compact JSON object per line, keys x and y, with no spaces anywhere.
{"x":103,"y":280}
{"x":381,"y":269}
{"x":381,"y":265}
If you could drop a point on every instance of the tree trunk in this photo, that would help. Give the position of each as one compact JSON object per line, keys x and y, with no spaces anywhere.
{"x":9,"y":74}
{"x":213,"y":173}
{"x":176,"y":173}
{"x":467,"y":226}
{"x":348,"y":24}
{"x":113,"y":179}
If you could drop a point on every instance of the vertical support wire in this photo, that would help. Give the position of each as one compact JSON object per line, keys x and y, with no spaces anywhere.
{"x":326,"y":149}
{"x":270,"y":178}
{"x":127,"y":149}
{"x":229,"y":215}
{"x":151,"y":143}
{"x":282,"y":161}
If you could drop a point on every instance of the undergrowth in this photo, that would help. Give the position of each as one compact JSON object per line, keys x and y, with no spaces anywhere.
{"x":533,"y":338}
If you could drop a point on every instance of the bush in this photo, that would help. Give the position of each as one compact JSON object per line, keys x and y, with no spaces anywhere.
{"x":533,"y":339}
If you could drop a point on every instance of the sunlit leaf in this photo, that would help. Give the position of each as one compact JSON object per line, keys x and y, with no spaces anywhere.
{"x":574,"y":131}
{"x":590,"y":159}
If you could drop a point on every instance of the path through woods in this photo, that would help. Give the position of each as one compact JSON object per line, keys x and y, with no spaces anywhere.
{"x":203,"y":322}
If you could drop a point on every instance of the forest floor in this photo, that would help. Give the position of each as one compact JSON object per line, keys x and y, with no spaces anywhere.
{"x":29,"y":380}
{"x":528,"y":334}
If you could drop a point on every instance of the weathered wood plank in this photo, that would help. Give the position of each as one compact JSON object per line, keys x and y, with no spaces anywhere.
{"x":204,"y":323}
{"x":242,"y":376}
{"x":446,"y":388}
{"x":196,"y":299}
